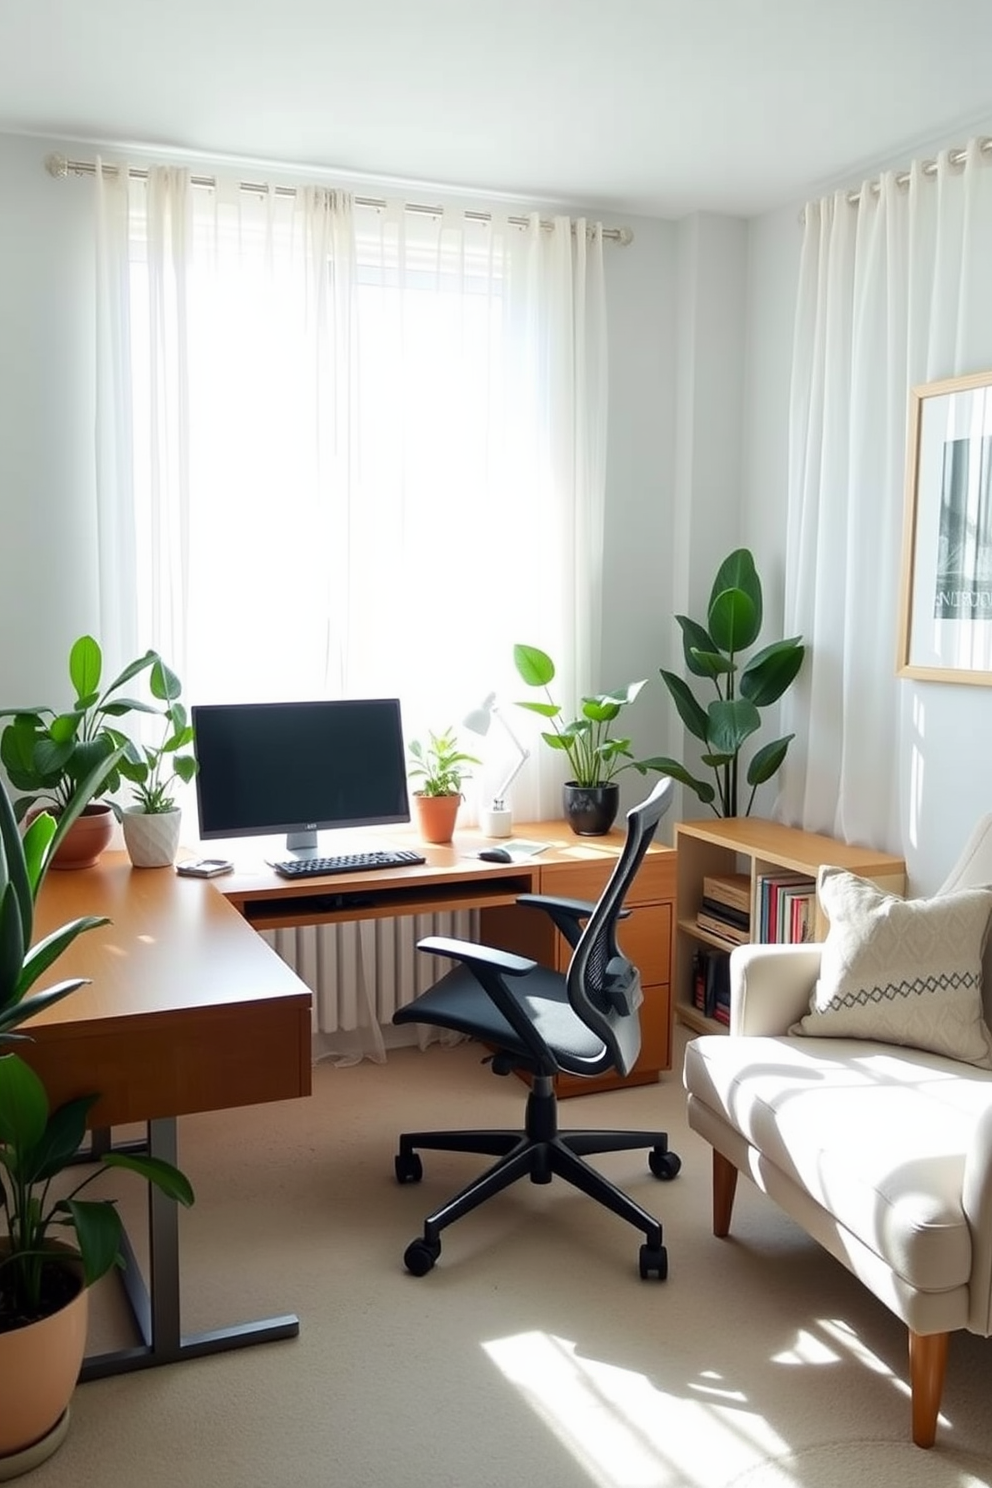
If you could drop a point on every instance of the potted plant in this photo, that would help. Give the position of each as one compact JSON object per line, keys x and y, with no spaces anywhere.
{"x":440,"y":767}
{"x":713,"y":651}
{"x":591,"y":795}
{"x":44,"y":1280}
{"x":151,"y":825}
{"x":47,"y":753}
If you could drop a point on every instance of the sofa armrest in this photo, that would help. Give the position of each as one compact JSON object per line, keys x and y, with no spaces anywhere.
{"x":770,"y":986}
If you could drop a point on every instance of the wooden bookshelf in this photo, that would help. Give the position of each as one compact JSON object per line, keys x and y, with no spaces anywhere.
{"x":756,"y":848}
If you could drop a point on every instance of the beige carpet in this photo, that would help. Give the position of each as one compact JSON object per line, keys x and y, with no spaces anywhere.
{"x":533,"y":1354}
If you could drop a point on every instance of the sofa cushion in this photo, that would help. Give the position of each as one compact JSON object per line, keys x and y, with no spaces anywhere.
{"x":877,"y":1138}
{"x":903,"y":971}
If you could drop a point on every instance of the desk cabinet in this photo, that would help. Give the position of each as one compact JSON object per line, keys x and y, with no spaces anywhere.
{"x":580,"y":872}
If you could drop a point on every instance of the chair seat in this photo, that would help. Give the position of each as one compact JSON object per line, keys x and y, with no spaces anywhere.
{"x":458,"y":1002}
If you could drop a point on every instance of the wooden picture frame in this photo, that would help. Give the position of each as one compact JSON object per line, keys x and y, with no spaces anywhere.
{"x":945,"y":630}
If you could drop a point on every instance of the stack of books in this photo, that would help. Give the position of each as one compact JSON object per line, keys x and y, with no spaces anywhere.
{"x":726,"y":907}
{"x":786,"y":908}
{"x":711,"y":983}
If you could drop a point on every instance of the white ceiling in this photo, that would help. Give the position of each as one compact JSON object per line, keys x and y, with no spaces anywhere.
{"x":653,"y":107}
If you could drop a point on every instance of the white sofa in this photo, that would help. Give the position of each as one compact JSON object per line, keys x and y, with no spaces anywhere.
{"x":882,"y":1153}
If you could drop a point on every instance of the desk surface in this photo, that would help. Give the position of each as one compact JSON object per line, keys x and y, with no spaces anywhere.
{"x":187,"y":1009}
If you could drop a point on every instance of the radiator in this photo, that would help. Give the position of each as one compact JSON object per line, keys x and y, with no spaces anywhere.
{"x":362,"y":971}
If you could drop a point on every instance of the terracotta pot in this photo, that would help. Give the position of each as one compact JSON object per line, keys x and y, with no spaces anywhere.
{"x":39,"y":1366}
{"x":590,"y":810}
{"x":86,"y":839}
{"x":436,"y":816}
{"x":151,"y":838}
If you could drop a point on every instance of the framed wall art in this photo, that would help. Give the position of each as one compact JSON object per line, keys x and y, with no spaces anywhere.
{"x":945,"y":630}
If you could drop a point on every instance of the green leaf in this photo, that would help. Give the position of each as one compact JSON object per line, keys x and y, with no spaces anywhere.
{"x":85,"y":666}
{"x":98,"y":1231}
{"x":534,"y":666}
{"x":767,"y":760}
{"x":546,"y":710}
{"x":62,"y":1137}
{"x":48,"y":950}
{"x":712,"y":664}
{"x":23,"y":1104}
{"x":678,"y":772}
{"x":26,"y":1007}
{"x":697,"y":646}
{"x":733,"y":620}
{"x":691,"y":714}
{"x":729,"y":722}
{"x":173,"y":1183}
{"x":771,"y":671}
{"x":599,"y":710}
{"x":163,"y":682}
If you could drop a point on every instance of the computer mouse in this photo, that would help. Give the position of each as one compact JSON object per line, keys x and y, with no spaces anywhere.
{"x":495,"y":855}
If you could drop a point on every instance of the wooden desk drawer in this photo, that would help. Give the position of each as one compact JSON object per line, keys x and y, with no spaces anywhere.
{"x":586,"y":879}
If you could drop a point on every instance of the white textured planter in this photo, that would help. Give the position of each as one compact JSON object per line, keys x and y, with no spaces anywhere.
{"x":151,"y":838}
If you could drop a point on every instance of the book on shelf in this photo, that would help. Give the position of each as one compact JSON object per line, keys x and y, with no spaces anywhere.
{"x":716,"y":925}
{"x":730,"y":889}
{"x":727,"y":912}
{"x":711,"y":981}
{"x":776,"y":894}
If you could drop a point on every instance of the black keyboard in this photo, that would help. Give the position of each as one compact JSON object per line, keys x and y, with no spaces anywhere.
{"x":347,"y":863}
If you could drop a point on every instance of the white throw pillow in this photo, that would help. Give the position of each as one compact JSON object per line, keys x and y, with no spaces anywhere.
{"x":902,"y":971}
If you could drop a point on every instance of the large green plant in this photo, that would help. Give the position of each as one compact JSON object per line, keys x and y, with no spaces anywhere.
{"x":595,"y":756}
{"x":36,"y":1143}
{"x":47,"y":753}
{"x":714,"y":652}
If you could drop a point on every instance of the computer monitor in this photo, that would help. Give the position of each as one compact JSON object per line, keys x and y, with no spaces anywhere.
{"x":299,"y":768}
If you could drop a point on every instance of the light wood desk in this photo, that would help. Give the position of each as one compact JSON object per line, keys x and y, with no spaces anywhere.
{"x":188,"y":1010}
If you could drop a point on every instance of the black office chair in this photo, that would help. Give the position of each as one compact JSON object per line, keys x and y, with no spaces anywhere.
{"x":584,"y":1022}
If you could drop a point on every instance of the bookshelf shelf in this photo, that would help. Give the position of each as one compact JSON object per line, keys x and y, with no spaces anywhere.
{"x":756,"y":849}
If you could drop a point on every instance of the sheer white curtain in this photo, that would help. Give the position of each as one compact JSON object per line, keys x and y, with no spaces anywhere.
{"x":894,"y":291}
{"x":348,"y":451}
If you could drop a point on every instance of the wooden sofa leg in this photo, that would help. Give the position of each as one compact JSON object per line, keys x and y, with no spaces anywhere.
{"x":724,"y":1188}
{"x":927,"y":1366}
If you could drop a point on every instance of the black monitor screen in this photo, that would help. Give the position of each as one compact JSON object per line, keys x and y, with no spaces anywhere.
{"x":299,"y":767}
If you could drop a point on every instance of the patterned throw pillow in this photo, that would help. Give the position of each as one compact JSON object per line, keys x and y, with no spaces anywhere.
{"x":902,"y":971}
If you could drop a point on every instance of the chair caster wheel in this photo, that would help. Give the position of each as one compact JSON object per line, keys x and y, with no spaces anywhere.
{"x":664,"y":1164}
{"x":420,"y":1256}
{"x":409,"y":1168}
{"x":654,"y":1262}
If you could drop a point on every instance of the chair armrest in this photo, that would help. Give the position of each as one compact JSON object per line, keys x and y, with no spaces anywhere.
{"x":770,"y":986}
{"x":469,"y":952}
{"x":567,"y":914}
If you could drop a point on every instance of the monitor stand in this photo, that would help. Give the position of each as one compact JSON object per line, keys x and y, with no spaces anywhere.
{"x":302,"y":844}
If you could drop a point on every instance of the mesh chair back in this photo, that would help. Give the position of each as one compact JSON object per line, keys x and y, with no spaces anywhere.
{"x":604,"y":986}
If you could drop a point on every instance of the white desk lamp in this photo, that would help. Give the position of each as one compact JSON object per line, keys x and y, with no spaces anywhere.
{"x":496,"y":820}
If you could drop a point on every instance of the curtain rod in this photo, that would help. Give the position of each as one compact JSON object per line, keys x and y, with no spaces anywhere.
{"x":957,"y":156}
{"x":60,"y":167}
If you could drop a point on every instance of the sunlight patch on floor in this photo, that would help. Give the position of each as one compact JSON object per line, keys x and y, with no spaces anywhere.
{"x":623,"y":1430}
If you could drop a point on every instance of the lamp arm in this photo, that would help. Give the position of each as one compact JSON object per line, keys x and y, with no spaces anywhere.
{"x":518,"y":765}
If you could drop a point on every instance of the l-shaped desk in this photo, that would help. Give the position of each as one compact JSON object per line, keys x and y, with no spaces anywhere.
{"x":187,"y":1009}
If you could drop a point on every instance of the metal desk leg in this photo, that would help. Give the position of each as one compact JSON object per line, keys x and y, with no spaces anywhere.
{"x":157,"y":1308}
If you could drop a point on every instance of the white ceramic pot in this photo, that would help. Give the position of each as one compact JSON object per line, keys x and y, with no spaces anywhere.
{"x":151,"y":838}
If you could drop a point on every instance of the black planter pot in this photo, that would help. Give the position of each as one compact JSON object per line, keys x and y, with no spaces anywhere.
{"x":590,"y":810}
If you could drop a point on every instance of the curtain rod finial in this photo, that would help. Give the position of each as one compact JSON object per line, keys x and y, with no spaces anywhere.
{"x":57,"y":165}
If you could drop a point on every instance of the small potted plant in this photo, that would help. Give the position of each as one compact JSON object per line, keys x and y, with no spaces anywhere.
{"x":439,"y":765}
{"x":44,"y":1280}
{"x":591,"y":796}
{"x":151,"y":826}
{"x":47,"y":753}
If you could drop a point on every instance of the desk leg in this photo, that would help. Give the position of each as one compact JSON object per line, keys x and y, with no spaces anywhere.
{"x":156,"y":1308}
